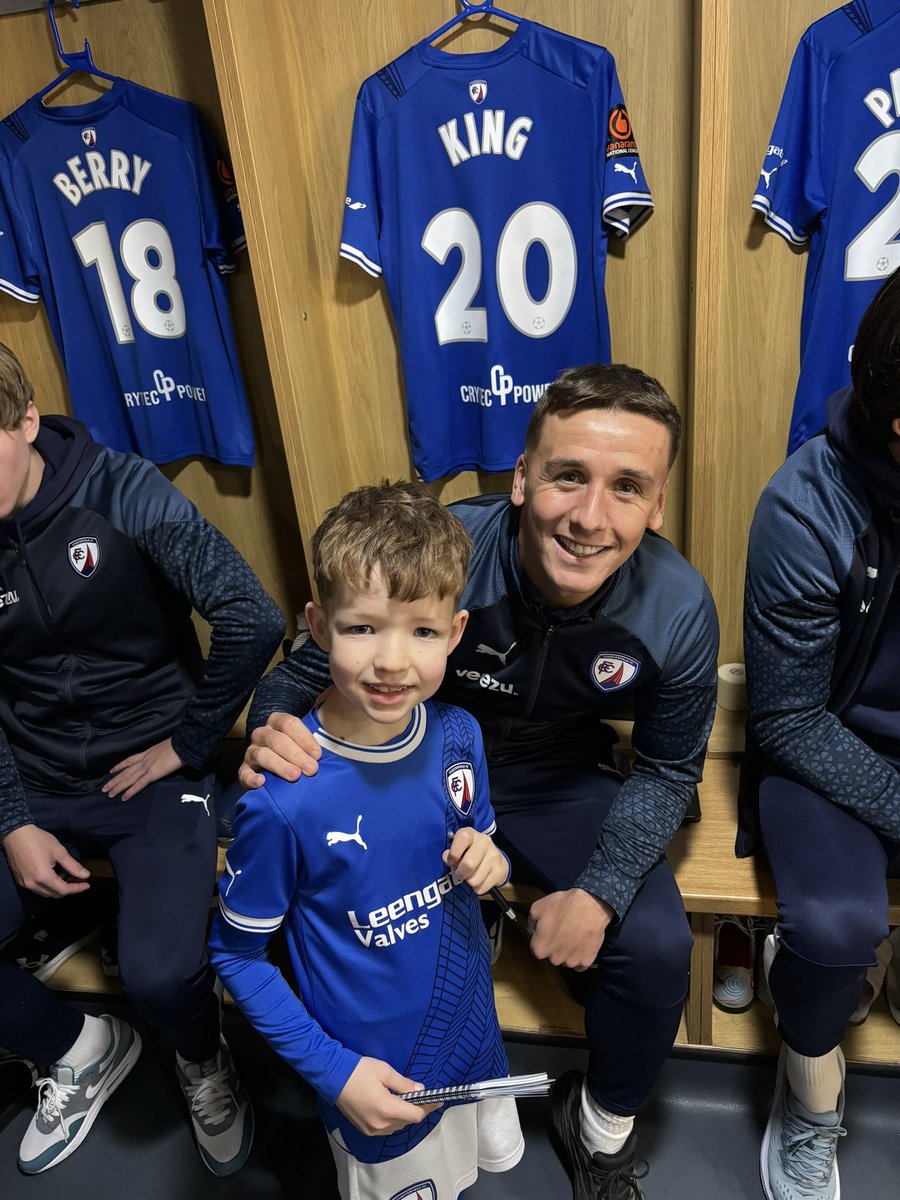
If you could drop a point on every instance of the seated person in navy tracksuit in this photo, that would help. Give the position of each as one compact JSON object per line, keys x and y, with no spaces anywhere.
{"x":109,"y":719}
{"x":822,"y":647}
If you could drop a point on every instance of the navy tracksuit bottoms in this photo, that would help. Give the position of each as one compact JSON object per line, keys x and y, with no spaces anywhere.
{"x":163,"y":850}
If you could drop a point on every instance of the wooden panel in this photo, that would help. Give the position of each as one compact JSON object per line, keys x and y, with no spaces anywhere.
{"x":876,"y":1041}
{"x":331,"y":343}
{"x":164,"y":46}
{"x":749,"y":287}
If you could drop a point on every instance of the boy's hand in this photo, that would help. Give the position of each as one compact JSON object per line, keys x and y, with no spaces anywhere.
{"x":368,"y":1100}
{"x":475,"y":860}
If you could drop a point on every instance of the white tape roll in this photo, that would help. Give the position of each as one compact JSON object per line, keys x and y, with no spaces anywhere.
{"x":732,"y":693}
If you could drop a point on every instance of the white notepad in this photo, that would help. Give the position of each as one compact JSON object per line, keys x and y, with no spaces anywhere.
{"x":486,"y":1089}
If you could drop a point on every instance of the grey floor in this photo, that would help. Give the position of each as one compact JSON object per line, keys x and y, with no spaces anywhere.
{"x":700,"y":1133}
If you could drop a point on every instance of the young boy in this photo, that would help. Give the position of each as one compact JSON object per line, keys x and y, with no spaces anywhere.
{"x":374,"y":865}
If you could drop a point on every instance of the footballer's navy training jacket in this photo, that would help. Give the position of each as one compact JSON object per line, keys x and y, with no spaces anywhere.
{"x":822,"y":693}
{"x":98,"y":655}
{"x":542,"y":680}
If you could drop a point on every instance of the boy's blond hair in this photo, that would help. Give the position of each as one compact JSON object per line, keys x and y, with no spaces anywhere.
{"x":419,"y":546}
{"x":16,"y":392}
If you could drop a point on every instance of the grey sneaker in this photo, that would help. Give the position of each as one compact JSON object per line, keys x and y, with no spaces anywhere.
{"x":220,"y":1110}
{"x":798,"y":1160}
{"x":69,"y":1100}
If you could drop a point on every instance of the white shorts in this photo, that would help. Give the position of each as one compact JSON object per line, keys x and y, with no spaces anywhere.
{"x":484,"y":1135}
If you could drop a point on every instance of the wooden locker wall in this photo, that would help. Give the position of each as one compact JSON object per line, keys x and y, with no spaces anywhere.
{"x":749,"y":290}
{"x":163,"y":44}
{"x":288,"y":73}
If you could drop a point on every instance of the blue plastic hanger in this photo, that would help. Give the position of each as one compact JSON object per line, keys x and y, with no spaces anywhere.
{"x":485,"y":8}
{"x":81,"y":60}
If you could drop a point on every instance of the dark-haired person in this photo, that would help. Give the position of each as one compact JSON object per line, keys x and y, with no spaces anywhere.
{"x":822,"y":645}
{"x":109,"y":718}
{"x":577,"y":611}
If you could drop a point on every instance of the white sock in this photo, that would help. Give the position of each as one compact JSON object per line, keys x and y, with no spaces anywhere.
{"x":816,"y":1082}
{"x":88,"y":1046}
{"x":602,"y":1131}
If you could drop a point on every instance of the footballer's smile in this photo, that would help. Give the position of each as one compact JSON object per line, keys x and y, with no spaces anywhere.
{"x":593,"y":484}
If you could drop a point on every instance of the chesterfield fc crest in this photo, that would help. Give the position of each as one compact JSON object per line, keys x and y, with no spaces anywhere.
{"x":478,"y":91}
{"x":419,"y":1191}
{"x":84,"y":555}
{"x":461,"y":786}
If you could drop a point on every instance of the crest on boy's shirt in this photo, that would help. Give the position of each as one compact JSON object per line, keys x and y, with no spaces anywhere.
{"x":89,"y":136}
{"x":612,"y":671}
{"x":419,"y":1191}
{"x":84,"y":555}
{"x":461,"y":786}
{"x":478,"y":91}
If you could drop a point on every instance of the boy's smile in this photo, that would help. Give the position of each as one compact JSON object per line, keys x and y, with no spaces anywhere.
{"x":385,"y":655}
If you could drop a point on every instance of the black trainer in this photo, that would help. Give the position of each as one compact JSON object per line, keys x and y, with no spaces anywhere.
{"x":594,"y":1176}
{"x":52,"y":935}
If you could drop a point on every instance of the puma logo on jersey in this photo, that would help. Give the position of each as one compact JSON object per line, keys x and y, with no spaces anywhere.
{"x":335,"y":835}
{"x":632,"y":170}
{"x":124,"y":173}
{"x":481,"y":648}
{"x":767,"y":175}
{"x":354,"y":204}
{"x":187,"y":798}
{"x":232,"y":874}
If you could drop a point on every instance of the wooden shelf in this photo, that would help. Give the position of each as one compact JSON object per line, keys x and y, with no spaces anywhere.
{"x":531,"y":997}
{"x":877,"y":1040}
{"x":83,"y":973}
{"x":725,"y":741}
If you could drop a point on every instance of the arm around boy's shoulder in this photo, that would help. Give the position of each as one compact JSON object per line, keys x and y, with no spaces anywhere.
{"x":292,"y":686}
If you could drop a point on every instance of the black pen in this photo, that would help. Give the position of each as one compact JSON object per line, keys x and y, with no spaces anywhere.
{"x":505,"y":907}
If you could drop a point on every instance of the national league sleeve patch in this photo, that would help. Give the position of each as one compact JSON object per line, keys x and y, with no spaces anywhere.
{"x":621,"y":137}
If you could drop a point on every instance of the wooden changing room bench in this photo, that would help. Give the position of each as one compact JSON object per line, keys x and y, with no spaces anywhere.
{"x":531,"y":997}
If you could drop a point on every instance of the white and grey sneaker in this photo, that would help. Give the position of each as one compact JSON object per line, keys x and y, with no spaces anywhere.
{"x":798,"y":1160}
{"x":69,"y":1100}
{"x":220,"y":1109}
